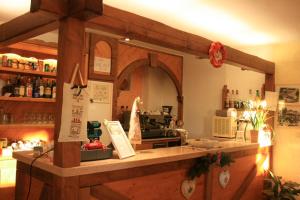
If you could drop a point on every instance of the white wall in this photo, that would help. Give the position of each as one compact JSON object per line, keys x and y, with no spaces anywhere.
{"x":202,"y":91}
{"x":159,"y":91}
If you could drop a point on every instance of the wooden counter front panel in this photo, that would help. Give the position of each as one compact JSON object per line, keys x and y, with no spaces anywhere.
{"x":238,"y":173}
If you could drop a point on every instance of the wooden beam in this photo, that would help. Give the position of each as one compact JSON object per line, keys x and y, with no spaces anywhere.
{"x":71,"y":50}
{"x":140,"y":28}
{"x":59,"y":7}
{"x":27,"y":26}
{"x":85,"y":9}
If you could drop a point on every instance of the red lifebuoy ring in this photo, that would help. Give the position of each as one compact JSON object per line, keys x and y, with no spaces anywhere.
{"x":217,"y":54}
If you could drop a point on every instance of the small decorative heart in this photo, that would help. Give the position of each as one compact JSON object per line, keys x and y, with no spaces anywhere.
{"x":224,"y":178}
{"x":188,"y":188}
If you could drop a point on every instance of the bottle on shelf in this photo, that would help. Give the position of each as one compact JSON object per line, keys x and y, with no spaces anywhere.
{"x":227,"y":99}
{"x":17,"y":84}
{"x":237,"y":101}
{"x":257,"y":96}
{"x":53,"y":89}
{"x":22,"y":87}
{"x":48,"y":89}
{"x":36,"y":87}
{"x":41,"y":88}
{"x":8,"y":88}
{"x":232,"y":99}
{"x":28,"y":90}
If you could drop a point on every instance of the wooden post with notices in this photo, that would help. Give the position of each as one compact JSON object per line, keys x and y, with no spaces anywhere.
{"x":71,"y":50}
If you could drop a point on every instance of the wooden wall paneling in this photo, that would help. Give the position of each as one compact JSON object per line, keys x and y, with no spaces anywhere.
{"x":111,"y":176}
{"x":146,"y":30}
{"x":71,"y":50}
{"x":105,"y":193}
{"x":128,"y":54}
{"x":66,"y":188}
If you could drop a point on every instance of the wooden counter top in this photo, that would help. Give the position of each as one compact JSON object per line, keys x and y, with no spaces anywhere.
{"x":142,"y":158}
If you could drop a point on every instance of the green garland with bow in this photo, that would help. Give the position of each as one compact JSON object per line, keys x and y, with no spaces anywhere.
{"x":202,"y":164}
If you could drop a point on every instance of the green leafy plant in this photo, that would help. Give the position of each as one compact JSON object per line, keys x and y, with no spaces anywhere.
{"x":203,"y":163}
{"x":281,"y":190}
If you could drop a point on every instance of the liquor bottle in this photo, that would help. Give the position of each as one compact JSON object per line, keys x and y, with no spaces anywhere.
{"x":257,"y":96}
{"x":8,"y":88}
{"x":41,"y":88}
{"x":237,"y":102}
{"x":53,"y":90}
{"x":22,"y":87}
{"x":227,"y":100}
{"x":28,"y":90}
{"x":17,"y":84}
{"x":250,"y":96}
{"x":36,"y":87}
{"x":231,"y":100}
{"x":47,"y":89}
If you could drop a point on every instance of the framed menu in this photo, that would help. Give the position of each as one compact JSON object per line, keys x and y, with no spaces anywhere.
{"x":119,"y":139}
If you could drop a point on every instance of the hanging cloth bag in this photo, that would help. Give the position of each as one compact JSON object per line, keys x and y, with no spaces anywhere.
{"x":74,"y":110}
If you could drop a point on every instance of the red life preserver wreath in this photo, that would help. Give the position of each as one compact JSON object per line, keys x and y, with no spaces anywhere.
{"x":217,"y":54}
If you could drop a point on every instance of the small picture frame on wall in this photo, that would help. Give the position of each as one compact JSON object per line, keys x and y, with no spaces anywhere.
{"x":288,"y":105}
{"x":102,"y":58}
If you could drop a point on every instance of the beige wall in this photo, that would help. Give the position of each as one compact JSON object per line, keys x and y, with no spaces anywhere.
{"x":202,"y":91}
{"x":286,"y":151}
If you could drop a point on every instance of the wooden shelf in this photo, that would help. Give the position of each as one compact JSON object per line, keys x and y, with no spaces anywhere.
{"x":27,"y":72}
{"x":292,"y":104}
{"x":27,"y":99}
{"x":18,"y":125}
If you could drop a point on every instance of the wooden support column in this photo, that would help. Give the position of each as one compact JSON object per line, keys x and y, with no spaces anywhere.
{"x":71,"y":46}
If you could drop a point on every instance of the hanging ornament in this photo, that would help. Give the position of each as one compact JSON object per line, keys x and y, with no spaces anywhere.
{"x":217,"y":54}
{"x":188,"y":187}
{"x":224,"y":178}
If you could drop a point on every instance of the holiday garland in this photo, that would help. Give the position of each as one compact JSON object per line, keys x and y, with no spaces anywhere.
{"x":202,"y":164}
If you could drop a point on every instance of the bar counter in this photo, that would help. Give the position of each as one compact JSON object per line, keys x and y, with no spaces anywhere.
{"x":142,"y":158}
{"x":150,"y":174}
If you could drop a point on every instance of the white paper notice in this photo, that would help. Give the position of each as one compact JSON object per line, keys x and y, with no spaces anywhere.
{"x":102,"y":65}
{"x":100,"y":93}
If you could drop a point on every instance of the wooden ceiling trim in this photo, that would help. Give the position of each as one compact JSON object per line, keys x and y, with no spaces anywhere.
{"x":140,"y":28}
{"x":27,"y":26}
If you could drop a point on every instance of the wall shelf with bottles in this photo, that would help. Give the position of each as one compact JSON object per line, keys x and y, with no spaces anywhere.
{"x":19,"y":125}
{"x":27,"y":72}
{"x":27,"y":99}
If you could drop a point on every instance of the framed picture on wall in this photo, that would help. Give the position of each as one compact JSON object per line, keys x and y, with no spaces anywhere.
{"x":288,"y":105}
{"x":289,"y":94}
{"x":102,"y":58}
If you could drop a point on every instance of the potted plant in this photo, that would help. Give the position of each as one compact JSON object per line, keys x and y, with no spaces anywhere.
{"x":257,"y":114}
{"x":280,"y":190}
